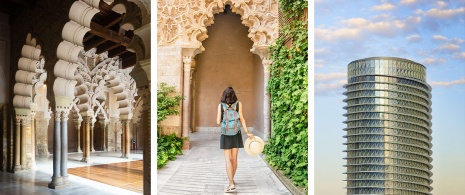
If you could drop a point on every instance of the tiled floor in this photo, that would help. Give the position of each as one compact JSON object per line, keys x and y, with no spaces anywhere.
{"x":127,"y":175}
{"x":36,"y":181}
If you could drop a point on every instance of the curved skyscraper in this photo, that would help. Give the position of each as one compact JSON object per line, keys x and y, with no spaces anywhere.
{"x":388,"y":127}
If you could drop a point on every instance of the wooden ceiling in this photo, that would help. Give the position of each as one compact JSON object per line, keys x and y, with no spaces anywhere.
{"x":106,"y":35}
{"x":13,"y":7}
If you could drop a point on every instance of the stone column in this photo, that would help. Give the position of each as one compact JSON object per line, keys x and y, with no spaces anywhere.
{"x":187,"y":60}
{"x":264,"y":53}
{"x":78,"y":122}
{"x":23,"y":143}
{"x":192,"y":99}
{"x":64,"y":147}
{"x":56,"y":178}
{"x":141,"y":75}
{"x":126,"y":147}
{"x":86,"y":136}
{"x":123,"y":138}
{"x":17,"y":144}
{"x":92,"y":124}
{"x":145,"y":94}
{"x":33,"y":140}
{"x":266,"y":100}
{"x":104,"y":125}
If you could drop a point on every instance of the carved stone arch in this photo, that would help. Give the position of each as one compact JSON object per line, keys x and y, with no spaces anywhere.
{"x":68,"y":51}
{"x":144,"y":6}
{"x":185,"y":22}
{"x":131,"y":11}
{"x":30,"y":77}
{"x":138,"y":47}
{"x":29,"y":98}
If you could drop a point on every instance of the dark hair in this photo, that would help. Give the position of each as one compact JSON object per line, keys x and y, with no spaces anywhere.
{"x":229,"y":96}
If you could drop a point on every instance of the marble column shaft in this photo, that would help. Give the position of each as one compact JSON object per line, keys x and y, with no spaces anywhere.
{"x":187,"y":60}
{"x":86,"y":140}
{"x":17,"y":145}
{"x":92,"y":136}
{"x":266,"y":100}
{"x":23,"y":144}
{"x":56,"y":178}
{"x":78,"y":128}
{"x":123,"y":139}
{"x":33,"y":141}
{"x":126,"y":138}
{"x":64,"y":148}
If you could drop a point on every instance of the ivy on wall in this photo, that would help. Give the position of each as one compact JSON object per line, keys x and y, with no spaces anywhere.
{"x":287,"y":149}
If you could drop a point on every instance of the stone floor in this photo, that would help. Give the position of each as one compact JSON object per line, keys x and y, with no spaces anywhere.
{"x":202,"y":170}
{"x":35,"y":182}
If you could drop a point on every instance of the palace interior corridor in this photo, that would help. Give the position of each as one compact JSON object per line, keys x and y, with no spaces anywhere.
{"x":75,"y":96}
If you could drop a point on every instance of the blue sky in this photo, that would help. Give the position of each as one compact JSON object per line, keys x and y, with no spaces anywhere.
{"x":428,"y":32}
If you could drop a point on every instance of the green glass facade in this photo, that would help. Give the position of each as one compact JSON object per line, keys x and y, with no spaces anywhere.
{"x":388,"y":127}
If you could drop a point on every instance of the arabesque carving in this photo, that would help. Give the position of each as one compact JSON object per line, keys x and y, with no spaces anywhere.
{"x":184,"y":22}
{"x":97,"y":74}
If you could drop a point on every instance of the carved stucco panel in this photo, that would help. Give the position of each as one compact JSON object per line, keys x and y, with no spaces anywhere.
{"x":183,"y":22}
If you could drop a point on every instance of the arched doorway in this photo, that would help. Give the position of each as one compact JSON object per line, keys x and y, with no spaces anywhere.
{"x":227,"y":61}
{"x":182,"y":28}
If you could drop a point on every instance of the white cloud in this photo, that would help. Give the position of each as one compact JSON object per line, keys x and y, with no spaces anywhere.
{"x":448,"y":47}
{"x":321,"y":51}
{"x":319,"y":63}
{"x":439,"y":38}
{"x":408,"y":2}
{"x":330,"y":88}
{"x":338,"y":34}
{"x":414,"y":38}
{"x":360,"y":28}
{"x":433,"y":61}
{"x":457,"y":40}
{"x":330,"y":76}
{"x":445,"y":13}
{"x":383,"y":7}
{"x":441,"y":4}
{"x":448,"y":83}
{"x":460,"y":56}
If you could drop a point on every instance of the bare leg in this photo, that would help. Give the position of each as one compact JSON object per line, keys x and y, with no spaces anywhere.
{"x":229,"y":165}
{"x":234,"y":161}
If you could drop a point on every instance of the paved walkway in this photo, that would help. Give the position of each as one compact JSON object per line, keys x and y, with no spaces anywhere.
{"x":202,"y":170}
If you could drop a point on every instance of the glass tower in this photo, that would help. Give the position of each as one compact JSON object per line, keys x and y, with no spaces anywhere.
{"x":388,"y":127}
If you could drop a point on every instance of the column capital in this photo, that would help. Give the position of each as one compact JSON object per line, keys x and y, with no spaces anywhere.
{"x":57,"y":115}
{"x":64,"y":115}
{"x":263,"y":51}
{"x":187,"y":61}
{"x":20,"y":118}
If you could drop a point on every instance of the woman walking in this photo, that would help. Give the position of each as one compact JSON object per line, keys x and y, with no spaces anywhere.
{"x":231,"y":119}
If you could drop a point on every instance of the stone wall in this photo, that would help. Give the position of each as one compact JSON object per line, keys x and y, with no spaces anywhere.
{"x":169,"y":67}
{"x":42,"y":143}
{"x":226,"y":61}
{"x":4,"y":57}
{"x":114,"y":134}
